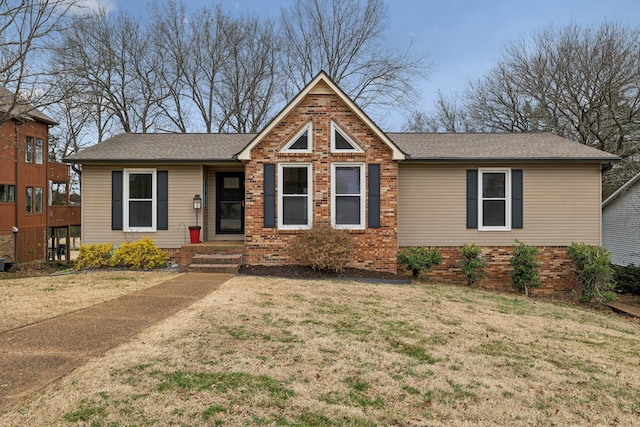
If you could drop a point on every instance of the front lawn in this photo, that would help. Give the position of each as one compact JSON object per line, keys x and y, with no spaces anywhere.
{"x":268,"y":351}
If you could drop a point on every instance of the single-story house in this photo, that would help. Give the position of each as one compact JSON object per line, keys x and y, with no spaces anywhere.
{"x":322,"y":160}
{"x":621,"y":223}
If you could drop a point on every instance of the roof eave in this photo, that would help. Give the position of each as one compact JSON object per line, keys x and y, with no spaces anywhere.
{"x":108,"y":161}
{"x":620,"y":191}
{"x":509,"y":160}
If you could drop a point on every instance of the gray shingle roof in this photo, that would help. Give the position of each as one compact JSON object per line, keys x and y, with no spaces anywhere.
{"x":164,"y":147}
{"x":21,"y":109}
{"x":454,"y":147}
{"x":495,"y":146}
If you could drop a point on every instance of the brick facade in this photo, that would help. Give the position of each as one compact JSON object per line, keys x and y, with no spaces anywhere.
{"x":376,"y":247}
{"x":556,"y":272}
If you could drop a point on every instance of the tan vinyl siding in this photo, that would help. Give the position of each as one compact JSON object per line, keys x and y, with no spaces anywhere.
{"x":621,"y":227}
{"x":561,"y":205}
{"x":184,"y":182}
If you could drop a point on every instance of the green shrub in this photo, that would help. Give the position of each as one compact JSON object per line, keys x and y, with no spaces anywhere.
{"x":525,"y":274}
{"x":97,"y":255}
{"x":419,"y":259}
{"x":472,"y":263}
{"x":593,"y":268}
{"x":143,"y":254}
{"x":627,"y":279}
{"x":323,"y":248}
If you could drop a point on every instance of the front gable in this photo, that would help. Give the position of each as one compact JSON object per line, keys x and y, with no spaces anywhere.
{"x":322,"y":162}
{"x":320,"y":88}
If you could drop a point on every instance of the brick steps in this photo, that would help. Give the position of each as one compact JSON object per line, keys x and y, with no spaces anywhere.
{"x":215,"y":263}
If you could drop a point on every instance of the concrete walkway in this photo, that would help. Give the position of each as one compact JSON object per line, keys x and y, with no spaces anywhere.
{"x":36,"y":355}
{"x":628,"y":309}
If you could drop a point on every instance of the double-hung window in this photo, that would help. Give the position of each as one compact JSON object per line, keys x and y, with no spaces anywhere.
{"x":494,"y":197}
{"x":39,"y":151}
{"x":347,"y":195}
{"x":28,"y":150}
{"x":139,"y":194}
{"x":7,"y":193}
{"x":39,"y":199}
{"x":28,"y":200}
{"x":294,"y":196}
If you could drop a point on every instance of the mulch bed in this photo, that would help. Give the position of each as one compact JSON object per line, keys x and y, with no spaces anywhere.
{"x":303,"y":272}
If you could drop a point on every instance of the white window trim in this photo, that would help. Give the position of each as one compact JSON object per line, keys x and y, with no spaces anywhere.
{"x":126,"y":200}
{"x":309,"y":149}
{"x":507,"y":193}
{"x":335,"y":128}
{"x":363,"y":196}
{"x":306,"y":226}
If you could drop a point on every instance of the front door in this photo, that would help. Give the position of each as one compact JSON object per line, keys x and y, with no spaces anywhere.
{"x":230,"y":203}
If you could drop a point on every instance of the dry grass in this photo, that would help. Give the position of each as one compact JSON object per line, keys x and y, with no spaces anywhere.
{"x":263,"y":351}
{"x":29,"y":300}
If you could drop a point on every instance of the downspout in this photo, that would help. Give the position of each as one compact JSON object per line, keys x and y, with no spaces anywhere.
{"x":16,"y":230}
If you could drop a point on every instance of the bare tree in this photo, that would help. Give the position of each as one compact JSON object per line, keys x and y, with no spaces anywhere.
{"x":110,"y":61}
{"x":27,"y":30}
{"x":249,"y":86}
{"x":578,"y":82}
{"x":448,"y":116}
{"x":344,"y":38}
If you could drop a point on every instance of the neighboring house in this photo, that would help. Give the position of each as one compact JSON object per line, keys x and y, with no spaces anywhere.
{"x":322,"y":160}
{"x":27,"y":182}
{"x":621,"y":223}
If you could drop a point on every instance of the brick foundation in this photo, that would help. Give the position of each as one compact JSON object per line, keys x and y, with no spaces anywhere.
{"x":556,"y":272}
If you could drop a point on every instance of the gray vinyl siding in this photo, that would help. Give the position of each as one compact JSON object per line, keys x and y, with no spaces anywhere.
{"x":621,"y":227}
{"x":561,"y":205}
{"x":184,"y":182}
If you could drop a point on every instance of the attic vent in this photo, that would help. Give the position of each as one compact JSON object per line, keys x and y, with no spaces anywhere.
{"x":341,"y":143}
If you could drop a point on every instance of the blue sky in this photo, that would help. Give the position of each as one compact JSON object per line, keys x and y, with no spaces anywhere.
{"x":462,"y":39}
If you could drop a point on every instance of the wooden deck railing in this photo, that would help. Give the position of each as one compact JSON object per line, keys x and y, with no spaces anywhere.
{"x":61,"y":216}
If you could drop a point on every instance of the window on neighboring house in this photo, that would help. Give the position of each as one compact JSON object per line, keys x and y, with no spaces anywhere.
{"x":294,"y":196}
{"x":39,"y":151}
{"x":39,"y":200}
{"x":28,"y":150}
{"x":301,"y":142}
{"x":28,"y":200}
{"x":347,"y":195}
{"x":139,"y":199}
{"x":7,"y":193}
{"x":340,"y":141}
{"x":494,"y":190}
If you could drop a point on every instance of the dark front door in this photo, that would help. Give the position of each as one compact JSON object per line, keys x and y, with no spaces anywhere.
{"x":229,"y":203}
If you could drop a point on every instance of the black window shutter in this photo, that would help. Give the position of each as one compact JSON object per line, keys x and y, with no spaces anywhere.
{"x":269,"y":195}
{"x":374,"y":196}
{"x":516,"y":198}
{"x":163,"y":200}
{"x":472,"y":198}
{"x":116,"y":200}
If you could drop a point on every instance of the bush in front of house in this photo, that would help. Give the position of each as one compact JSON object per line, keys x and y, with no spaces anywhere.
{"x":593,"y":269}
{"x":472,"y":263}
{"x":419,"y":259}
{"x":525,"y":274}
{"x":143,"y":254}
{"x":627,"y":279}
{"x":96,"y":255}
{"x":323,"y":248}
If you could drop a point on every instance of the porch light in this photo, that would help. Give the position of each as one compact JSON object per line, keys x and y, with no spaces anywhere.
{"x":197,"y":204}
